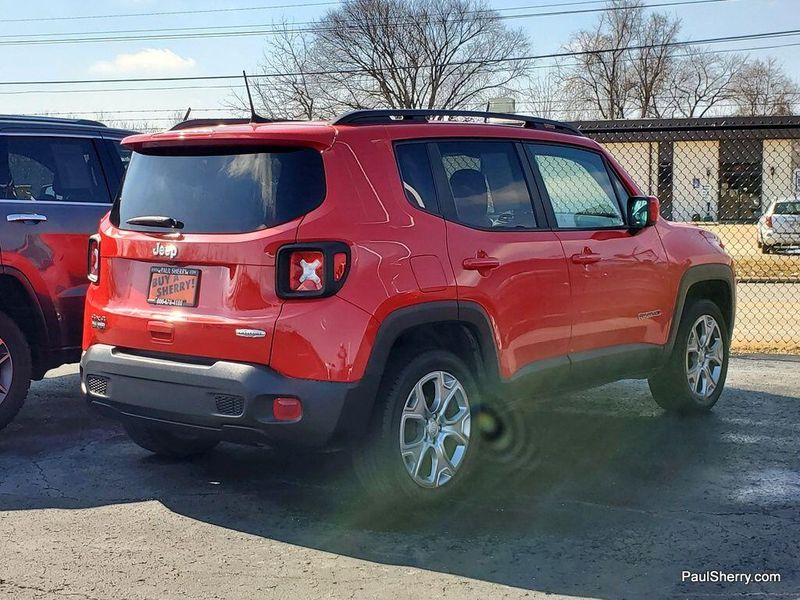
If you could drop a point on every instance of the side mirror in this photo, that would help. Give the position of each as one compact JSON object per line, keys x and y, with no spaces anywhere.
{"x":642,"y":212}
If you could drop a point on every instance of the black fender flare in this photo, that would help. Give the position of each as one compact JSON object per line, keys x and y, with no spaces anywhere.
{"x":697,"y":274}
{"x":404,"y":319}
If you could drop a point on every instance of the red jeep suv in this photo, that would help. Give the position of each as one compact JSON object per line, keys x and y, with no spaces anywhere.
{"x":382,"y":277}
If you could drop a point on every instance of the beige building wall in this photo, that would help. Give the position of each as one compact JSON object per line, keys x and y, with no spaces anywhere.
{"x":695,"y":180}
{"x":640,"y":160}
{"x":778,"y":171}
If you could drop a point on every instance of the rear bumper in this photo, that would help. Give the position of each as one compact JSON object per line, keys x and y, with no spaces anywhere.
{"x":773,"y":238}
{"x":225,"y":400}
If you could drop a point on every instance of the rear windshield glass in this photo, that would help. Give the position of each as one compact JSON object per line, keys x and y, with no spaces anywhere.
{"x":221,"y":190}
{"x":787,"y":208}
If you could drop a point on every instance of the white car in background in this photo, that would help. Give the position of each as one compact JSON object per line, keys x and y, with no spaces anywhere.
{"x":779,"y":226}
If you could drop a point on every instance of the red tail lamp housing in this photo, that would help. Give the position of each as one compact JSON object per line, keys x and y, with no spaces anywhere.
{"x":768,"y":221}
{"x":312,"y":270}
{"x":287,"y":409}
{"x":93,"y":259}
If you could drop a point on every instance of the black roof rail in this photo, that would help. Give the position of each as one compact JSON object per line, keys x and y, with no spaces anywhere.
{"x":55,"y":120}
{"x":416,"y":115}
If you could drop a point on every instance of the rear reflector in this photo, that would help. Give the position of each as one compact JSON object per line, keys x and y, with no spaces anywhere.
{"x":287,"y":409}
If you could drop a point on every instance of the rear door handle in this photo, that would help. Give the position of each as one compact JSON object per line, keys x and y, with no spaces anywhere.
{"x":585,"y":259}
{"x":483,"y":263}
{"x":25,"y":218}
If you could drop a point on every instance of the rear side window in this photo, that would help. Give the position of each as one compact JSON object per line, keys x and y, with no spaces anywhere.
{"x":579,"y":187}
{"x":415,"y":171}
{"x":221,"y":190}
{"x":487,"y":184}
{"x":51,"y":169}
{"x":787,"y":208}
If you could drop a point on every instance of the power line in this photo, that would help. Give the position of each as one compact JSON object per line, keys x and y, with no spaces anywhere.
{"x":716,"y":40}
{"x":226,"y":30}
{"x":168,"y":13}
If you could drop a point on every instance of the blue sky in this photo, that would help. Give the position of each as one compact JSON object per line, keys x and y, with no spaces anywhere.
{"x":215,"y":56}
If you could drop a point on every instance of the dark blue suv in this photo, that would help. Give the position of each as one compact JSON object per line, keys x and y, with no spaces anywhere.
{"x":57,"y":178}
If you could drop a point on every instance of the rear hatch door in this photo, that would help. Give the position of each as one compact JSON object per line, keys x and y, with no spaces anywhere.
{"x":190,"y":248}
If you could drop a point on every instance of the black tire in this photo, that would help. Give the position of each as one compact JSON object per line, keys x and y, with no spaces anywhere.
{"x":670,"y":386}
{"x":14,"y":346}
{"x":378,"y":460}
{"x":167,"y":443}
{"x":766,"y":249}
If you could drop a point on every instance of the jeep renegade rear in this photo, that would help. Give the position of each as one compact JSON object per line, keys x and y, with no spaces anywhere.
{"x":377,"y":280}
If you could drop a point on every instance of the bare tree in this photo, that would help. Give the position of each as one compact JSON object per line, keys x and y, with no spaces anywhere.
{"x":394,"y":53}
{"x":544,"y":94}
{"x":700,"y":83}
{"x":762,"y":87}
{"x":291,"y":89}
{"x":602,"y":78}
{"x":653,"y":61}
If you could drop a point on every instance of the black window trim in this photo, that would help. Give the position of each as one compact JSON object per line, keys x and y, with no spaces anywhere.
{"x":446,"y":202}
{"x":551,"y":215}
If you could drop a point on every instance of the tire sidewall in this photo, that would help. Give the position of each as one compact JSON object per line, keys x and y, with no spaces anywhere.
{"x":388,"y":443}
{"x":21,"y":379}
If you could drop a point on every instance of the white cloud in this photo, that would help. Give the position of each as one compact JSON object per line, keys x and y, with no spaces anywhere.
{"x":148,"y":61}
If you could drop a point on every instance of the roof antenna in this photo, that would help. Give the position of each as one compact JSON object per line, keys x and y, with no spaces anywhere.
{"x":254,"y":118}
{"x":188,"y":112}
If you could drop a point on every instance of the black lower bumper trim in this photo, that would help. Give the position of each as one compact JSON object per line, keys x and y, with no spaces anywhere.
{"x":198,"y":397}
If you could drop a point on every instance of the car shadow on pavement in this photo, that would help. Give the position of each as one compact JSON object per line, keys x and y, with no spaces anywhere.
{"x":589,"y":494}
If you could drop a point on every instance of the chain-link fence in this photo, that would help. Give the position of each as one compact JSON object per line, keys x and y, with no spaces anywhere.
{"x":740,"y":178}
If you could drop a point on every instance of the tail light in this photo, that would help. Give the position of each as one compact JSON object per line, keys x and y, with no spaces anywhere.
{"x":93,"y":259}
{"x":287,"y":409}
{"x":312,"y":270}
{"x":768,"y":221}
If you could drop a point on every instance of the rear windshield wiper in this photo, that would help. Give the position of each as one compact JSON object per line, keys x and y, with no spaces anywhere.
{"x":156,"y":221}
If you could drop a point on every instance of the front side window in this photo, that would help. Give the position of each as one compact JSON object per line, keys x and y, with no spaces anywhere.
{"x":51,"y":169}
{"x":787,"y":208}
{"x":487,"y":184}
{"x":579,"y":187}
{"x":221,"y":190}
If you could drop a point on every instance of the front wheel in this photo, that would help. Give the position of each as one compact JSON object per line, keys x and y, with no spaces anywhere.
{"x":694,"y":376}
{"x":422,"y":444}
{"x":168,"y":443}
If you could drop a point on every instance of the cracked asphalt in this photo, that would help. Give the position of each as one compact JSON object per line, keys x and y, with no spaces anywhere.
{"x":597,"y":494}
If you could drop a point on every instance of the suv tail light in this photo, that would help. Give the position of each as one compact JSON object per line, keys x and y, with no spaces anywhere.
{"x":768,"y":221}
{"x":312,"y":270}
{"x":93,"y":259}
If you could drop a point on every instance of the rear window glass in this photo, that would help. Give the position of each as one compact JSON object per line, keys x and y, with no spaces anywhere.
{"x":221,"y":190}
{"x":787,"y":208}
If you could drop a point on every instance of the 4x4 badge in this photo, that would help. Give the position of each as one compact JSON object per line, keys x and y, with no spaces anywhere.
{"x":168,"y":250}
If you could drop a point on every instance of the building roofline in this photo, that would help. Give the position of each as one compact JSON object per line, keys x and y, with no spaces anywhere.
{"x":683,"y":124}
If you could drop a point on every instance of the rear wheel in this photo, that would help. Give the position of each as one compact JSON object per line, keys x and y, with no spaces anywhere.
{"x":15,"y":369}
{"x":168,"y":443}
{"x":421,"y":445}
{"x":695,"y":373}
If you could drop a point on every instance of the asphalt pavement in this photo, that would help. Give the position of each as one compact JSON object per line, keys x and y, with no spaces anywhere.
{"x":597,"y":494}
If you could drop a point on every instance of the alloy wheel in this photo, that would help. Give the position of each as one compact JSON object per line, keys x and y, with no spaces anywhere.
{"x":435,"y":429}
{"x":6,"y":370}
{"x":705,"y":353}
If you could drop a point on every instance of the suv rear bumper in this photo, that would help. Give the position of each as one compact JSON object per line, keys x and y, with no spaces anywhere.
{"x":225,"y":400}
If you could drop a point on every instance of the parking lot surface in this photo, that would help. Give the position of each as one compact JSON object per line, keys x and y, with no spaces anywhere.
{"x":597,"y":494}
